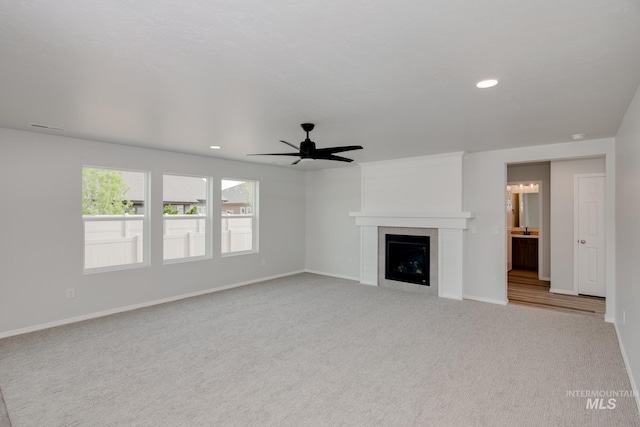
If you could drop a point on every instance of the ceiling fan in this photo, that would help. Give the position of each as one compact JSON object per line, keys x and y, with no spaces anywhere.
{"x":308,"y":151}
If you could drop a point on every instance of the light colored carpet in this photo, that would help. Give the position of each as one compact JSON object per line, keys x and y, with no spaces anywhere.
{"x":309,"y":350}
{"x":4,"y":416}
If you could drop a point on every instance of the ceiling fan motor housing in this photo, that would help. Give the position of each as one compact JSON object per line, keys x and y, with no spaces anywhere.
{"x":307,"y":149}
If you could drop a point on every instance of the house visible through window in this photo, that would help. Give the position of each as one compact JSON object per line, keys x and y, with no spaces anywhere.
{"x":186,"y":217}
{"x":239,"y":217}
{"x":114,"y":216}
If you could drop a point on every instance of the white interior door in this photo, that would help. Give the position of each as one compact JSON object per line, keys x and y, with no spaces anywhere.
{"x":590,"y":235}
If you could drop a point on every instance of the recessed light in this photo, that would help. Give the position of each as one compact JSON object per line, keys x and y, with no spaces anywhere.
{"x":578,"y":136}
{"x":485,"y":84}
{"x":215,"y":147}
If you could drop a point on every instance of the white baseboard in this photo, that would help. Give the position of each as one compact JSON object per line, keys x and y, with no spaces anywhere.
{"x":562,"y":291}
{"x":609,"y":319}
{"x":338,"y":276}
{"x":137,"y":306}
{"x":546,"y":279}
{"x":369,"y":283}
{"x":483,"y":299}
{"x":450,"y":296}
{"x":634,"y":387}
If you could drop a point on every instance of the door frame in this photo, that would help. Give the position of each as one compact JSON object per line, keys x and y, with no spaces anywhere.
{"x":567,"y":151}
{"x":576,"y":228}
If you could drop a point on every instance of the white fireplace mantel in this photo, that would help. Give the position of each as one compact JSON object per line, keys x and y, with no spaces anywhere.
{"x":450,"y":226}
{"x":449,"y":220}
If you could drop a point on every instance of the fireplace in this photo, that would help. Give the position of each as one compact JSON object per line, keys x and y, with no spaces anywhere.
{"x":407,"y":259}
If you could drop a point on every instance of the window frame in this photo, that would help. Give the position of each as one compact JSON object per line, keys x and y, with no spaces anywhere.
{"x":208,"y":221}
{"x":146,"y":236}
{"x":253,"y":215}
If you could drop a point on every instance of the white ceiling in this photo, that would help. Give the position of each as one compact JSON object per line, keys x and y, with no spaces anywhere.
{"x":396,"y":77}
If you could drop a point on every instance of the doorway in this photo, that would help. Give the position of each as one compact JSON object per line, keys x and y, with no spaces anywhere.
{"x":551,"y":285}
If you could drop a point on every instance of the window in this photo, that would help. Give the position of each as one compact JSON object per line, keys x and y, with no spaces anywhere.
{"x":239,"y":216}
{"x":186,"y":217}
{"x":115,"y":222}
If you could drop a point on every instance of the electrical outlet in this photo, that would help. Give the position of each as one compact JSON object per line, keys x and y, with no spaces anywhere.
{"x":71,"y":293}
{"x":496,"y":230}
{"x":495,"y":279}
{"x":263,"y":262}
{"x":624,"y":317}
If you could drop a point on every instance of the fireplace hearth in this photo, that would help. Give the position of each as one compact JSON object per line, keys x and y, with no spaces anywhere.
{"x":407,"y":259}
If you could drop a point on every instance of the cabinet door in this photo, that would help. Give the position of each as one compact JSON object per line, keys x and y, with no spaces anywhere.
{"x":532,"y":254}
{"x":519,"y":253}
{"x":525,"y":253}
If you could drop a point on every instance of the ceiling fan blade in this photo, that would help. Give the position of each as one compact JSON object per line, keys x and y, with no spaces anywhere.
{"x":275,"y":154}
{"x":290,"y":144}
{"x":332,"y":150}
{"x":332,"y":157}
{"x":296,"y":162}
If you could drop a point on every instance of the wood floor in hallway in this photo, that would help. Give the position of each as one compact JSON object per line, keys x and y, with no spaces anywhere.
{"x":524,"y":288}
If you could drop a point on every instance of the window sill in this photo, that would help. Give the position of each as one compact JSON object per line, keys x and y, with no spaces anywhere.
{"x":110,"y":268}
{"x":231,"y":254}
{"x":187,"y":259}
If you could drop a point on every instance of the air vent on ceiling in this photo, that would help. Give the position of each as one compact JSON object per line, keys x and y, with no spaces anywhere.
{"x":40,"y":126}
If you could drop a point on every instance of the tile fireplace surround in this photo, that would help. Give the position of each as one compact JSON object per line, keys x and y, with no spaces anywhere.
{"x":449,"y":252}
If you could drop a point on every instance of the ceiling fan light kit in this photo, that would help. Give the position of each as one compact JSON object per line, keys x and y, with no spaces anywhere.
{"x":308,"y":151}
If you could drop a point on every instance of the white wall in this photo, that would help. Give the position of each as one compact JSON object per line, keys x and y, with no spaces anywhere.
{"x":516,"y":173}
{"x":333,"y":239}
{"x":562,"y":217}
{"x":41,"y":185}
{"x":484,"y":194}
{"x":417,"y":184}
{"x":628,"y":237}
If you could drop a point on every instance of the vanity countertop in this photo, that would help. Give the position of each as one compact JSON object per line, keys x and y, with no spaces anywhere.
{"x":525,"y":236}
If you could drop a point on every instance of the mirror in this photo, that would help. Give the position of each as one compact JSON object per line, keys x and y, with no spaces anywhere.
{"x":523,"y":205}
{"x":530,"y":210}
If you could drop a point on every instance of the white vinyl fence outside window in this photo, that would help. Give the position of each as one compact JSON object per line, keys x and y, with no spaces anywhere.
{"x":184,"y":238}
{"x":113,"y":203}
{"x":237,"y":234}
{"x":112,"y":241}
{"x":239,"y":216}
{"x":186,"y":218}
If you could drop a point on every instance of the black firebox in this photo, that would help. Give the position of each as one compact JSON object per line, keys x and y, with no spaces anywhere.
{"x":407,"y":259}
